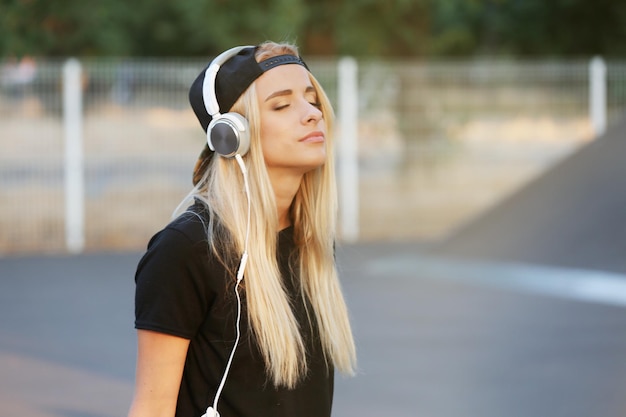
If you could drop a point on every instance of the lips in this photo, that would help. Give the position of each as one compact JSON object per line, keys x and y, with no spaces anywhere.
{"x":313,"y":137}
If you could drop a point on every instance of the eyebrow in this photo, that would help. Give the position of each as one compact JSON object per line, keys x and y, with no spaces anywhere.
{"x":309,"y":89}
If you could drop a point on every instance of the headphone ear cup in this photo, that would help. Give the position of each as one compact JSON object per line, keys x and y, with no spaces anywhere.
{"x":229,"y":135}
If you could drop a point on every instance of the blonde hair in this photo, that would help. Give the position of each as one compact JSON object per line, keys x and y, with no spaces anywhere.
{"x":313,"y":212}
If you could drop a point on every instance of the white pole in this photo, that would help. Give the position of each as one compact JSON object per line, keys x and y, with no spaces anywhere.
{"x":597,"y":95}
{"x":348,"y":148}
{"x":74,"y":171}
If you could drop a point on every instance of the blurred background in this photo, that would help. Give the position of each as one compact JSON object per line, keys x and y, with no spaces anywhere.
{"x":458,"y":104}
{"x":481,"y":148}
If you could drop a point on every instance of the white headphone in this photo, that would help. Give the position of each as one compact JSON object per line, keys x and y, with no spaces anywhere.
{"x":228,"y":134}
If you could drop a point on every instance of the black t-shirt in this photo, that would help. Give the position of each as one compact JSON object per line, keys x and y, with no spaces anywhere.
{"x":183,"y":290}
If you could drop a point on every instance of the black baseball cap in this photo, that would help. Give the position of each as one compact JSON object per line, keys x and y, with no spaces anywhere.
{"x":233,"y":79}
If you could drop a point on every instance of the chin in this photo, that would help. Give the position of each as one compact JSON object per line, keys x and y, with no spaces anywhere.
{"x":300,"y":162}
{"x":311,"y":165}
{"x":318,"y":161}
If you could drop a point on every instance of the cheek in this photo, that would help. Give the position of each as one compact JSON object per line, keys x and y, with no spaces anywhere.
{"x":266,"y":127}
{"x":267,"y":133}
{"x":271,"y":133}
{"x":270,"y":144}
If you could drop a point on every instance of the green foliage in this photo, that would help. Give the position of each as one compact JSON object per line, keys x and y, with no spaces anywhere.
{"x":320,"y":27}
{"x":529,"y":27}
{"x":392,"y":27}
{"x":39,"y":27}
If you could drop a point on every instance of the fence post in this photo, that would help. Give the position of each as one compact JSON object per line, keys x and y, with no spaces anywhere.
{"x":74,"y":161}
{"x":348,"y":148}
{"x":597,"y":95}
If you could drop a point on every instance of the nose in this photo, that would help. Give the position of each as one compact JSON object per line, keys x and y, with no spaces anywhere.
{"x":312,"y":113}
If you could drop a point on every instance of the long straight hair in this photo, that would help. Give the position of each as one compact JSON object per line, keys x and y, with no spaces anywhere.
{"x":314,"y":213}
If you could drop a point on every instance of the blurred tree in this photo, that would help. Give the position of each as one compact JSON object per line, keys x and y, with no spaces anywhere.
{"x":200,"y":27}
{"x":321,"y":27}
{"x":143,"y":27}
{"x":71,"y":27}
{"x":566,"y":27}
{"x":366,"y":27}
{"x":454,"y":27}
{"x":529,"y":27}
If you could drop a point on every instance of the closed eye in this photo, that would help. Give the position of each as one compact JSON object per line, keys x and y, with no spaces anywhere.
{"x":312,"y":97}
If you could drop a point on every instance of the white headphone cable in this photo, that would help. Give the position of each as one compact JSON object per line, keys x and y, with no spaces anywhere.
{"x":212,"y":410}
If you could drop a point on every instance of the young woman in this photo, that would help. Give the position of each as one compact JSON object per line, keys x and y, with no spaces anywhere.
{"x":239,"y":311}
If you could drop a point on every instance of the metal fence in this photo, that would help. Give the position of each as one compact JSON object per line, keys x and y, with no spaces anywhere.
{"x":438,"y":142}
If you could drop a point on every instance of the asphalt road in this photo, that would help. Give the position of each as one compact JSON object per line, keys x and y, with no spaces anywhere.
{"x":436,"y":337}
{"x":574,"y":215}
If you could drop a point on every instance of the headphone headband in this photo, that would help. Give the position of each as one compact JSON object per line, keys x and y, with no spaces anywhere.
{"x":217,"y":88}
{"x":210,"y":76}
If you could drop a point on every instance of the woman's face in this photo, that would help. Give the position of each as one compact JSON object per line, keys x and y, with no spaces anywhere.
{"x":293,"y":132}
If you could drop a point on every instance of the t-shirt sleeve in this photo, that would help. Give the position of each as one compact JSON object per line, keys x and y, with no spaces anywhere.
{"x":171,"y":294}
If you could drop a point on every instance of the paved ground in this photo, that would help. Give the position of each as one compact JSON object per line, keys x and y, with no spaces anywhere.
{"x":573,"y":215}
{"x":436,"y":338}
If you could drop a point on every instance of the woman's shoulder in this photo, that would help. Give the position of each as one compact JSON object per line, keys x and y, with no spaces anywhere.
{"x":177,"y":279}
{"x":193,"y":223}
{"x":187,"y":229}
{"x":181,"y":248}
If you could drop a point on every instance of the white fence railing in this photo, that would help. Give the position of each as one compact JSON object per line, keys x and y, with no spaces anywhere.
{"x":96,"y":154}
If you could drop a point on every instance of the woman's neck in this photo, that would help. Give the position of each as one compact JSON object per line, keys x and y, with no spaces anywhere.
{"x":285,"y":188}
